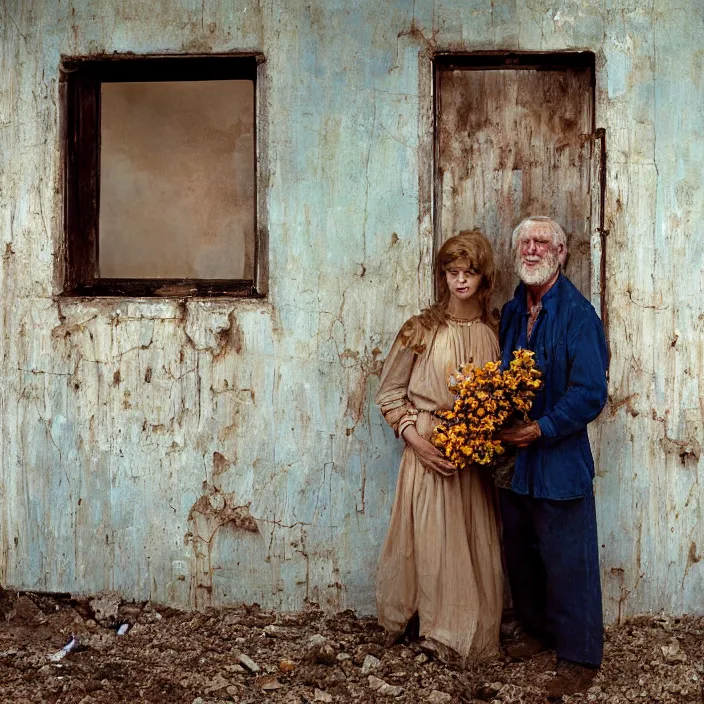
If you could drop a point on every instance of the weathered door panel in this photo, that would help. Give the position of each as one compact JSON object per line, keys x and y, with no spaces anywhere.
{"x":512,"y":143}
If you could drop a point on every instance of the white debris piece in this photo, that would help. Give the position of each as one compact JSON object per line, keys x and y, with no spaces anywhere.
{"x":61,"y":654}
{"x":248,"y":663}
{"x":384,"y":688}
{"x":370,"y":664}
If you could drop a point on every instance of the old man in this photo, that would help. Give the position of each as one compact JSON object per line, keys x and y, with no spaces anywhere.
{"x":548,"y":514}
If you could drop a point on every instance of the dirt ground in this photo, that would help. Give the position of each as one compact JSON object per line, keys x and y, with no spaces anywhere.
{"x":247,"y":655}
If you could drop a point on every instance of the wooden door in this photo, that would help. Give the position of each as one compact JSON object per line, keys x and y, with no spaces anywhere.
{"x":513,"y":142}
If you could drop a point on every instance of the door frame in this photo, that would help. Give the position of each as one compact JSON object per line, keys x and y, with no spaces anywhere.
{"x":431,"y":64}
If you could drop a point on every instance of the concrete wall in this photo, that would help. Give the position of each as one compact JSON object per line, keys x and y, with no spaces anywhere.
{"x":215,"y":451}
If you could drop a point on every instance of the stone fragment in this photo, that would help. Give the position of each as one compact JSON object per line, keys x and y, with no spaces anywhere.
{"x":320,"y":650}
{"x":105,"y":607}
{"x":321,"y":696}
{"x":672,"y":653}
{"x":139,"y":628}
{"x":343,"y":656}
{"x":383,"y":688}
{"x":438,"y":697}
{"x":248,"y":663}
{"x":287,"y":665}
{"x":370,"y":664}
{"x":268,"y":684}
{"x":421,"y":659}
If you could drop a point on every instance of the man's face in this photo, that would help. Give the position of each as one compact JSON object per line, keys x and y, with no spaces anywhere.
{"x":537,"y":258}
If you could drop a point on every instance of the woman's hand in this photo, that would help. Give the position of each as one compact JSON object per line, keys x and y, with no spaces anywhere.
{"x":429,"y":455}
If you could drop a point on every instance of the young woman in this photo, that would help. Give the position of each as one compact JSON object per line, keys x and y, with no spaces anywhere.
{"x":441,"y":558}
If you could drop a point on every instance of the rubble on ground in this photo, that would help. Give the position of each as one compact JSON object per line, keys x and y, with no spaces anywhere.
{"x":247,"y":655}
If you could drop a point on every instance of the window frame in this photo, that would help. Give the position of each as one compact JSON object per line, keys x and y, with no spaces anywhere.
{"x":80,"y":90}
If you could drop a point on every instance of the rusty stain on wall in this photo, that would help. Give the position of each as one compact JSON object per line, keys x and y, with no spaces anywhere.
{"x":144,"y":421}
{"x":207,"y":516}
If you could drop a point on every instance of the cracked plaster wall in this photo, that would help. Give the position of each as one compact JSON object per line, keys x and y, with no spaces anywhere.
{"x":129,"y":426}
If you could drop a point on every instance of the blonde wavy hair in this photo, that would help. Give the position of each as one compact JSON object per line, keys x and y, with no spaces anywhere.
{"x":474,"y":247}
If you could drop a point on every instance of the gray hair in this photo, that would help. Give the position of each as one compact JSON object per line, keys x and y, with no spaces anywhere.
{"x":558,"y":234}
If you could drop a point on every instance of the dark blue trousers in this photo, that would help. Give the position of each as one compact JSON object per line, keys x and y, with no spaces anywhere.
{"x":552,"y":560}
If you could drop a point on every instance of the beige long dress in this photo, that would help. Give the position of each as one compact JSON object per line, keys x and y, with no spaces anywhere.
{"x":441,"y":556}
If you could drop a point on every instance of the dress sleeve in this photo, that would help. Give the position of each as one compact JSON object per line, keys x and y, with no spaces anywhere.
{"x":392,"y":397}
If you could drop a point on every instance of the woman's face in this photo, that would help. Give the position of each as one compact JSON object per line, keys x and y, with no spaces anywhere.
{"x":462,"y":279}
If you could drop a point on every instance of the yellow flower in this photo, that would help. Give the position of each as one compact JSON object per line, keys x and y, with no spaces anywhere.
{"x":485,"y":399}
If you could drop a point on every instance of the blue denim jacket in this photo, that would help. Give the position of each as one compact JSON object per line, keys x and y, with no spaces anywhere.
{"x":570,"y":349}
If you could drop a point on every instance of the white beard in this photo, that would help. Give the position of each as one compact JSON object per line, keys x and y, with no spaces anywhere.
{"x":542,"y":273}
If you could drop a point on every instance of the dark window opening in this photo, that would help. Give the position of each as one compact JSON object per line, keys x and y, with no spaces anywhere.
{"x":161,"y":176}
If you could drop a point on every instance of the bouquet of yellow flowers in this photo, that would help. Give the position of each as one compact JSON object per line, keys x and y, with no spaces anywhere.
{"x":486,"y":399}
